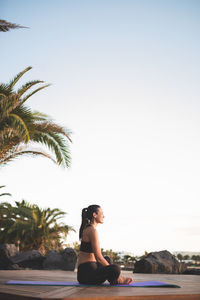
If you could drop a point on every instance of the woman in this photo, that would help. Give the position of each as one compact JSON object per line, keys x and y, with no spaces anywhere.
{"x":93,"y":268}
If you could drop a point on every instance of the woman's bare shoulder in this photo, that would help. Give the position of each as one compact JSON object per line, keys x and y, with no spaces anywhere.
{"x":89,"y":231}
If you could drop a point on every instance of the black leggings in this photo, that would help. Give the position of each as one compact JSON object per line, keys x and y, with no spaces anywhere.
{"x":94,"y":273}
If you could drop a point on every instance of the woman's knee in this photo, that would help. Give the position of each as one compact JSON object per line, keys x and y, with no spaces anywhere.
{"x":116,"y":269}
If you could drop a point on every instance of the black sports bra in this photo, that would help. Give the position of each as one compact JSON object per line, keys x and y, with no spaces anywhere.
{"x":86,"y":247}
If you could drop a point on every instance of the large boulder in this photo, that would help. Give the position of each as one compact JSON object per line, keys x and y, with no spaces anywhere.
{"x":159,"y":262}
{"x":65,"y":260}
{"x":192,"y":271}
{"x":54,"y":260}
{"x":7,"y":251}
{"x":70,"y":257}
{"x":31,"y":259}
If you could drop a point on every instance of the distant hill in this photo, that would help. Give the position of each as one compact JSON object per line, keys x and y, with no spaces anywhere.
{"x":190,"y":253}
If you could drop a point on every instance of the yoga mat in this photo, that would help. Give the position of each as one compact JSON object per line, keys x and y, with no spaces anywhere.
{"x":75,"y":283}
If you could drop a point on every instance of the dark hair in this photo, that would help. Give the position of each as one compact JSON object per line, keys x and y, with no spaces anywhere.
{"x":87,"y":215}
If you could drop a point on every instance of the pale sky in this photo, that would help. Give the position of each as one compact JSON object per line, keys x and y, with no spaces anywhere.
{"x":125,"y":81}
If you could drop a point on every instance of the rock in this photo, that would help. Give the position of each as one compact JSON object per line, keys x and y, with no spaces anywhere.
{"x":70,"y":258}
{"x":16,"y":267}
{"x":11,"y":259}
{"x":66,"y":260}
{"x":31,"y":259}
{"x":159,"y":262}
{"x":192,"y":271}
{"x":7,"y":251}
{"x":54,"y":260}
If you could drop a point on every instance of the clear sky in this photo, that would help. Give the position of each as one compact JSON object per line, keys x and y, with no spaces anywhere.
{"x":125,"y":80}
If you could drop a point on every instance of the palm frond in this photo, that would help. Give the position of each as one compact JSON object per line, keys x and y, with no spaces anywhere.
{"x":39,"y":153}
{"x":27,"y":86}
{"x":35,"y":91}
{"x":55,"y":218}
{"x":63,"y":149}
{"x":8,"y":148}
{"x":54,"y":140}
{"x":9,"y":141}
{"x":26,"y":115}
{"x":38,"y":116}
{"x":4,"y":89}
{"x":50,"y":127}
{"x":5,"y":194}
{"x":21,"y":126}
{"x":2,"y":96}
{"x":6,"y":26}
{"x":17,"y":77}
{"x":50,"y":142}
{"x":17,"y":154}
{"x":35,"y":216}
{"x":7,"y":105}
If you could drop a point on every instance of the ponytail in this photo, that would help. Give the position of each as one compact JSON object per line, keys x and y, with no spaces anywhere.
{"x":85,"y":222}
{"x":87,"y":215}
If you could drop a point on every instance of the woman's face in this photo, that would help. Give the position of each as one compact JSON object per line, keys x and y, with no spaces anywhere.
{"x":99,"y":216}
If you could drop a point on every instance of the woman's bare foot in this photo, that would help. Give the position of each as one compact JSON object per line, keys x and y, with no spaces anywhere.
{"x":128,"y":280}
{"x":124,"y":280}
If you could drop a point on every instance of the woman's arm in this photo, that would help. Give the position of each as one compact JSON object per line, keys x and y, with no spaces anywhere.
{"x":96,"y":247}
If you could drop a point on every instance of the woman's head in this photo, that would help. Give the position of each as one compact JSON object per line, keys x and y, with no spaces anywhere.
{"x":89,"y":215}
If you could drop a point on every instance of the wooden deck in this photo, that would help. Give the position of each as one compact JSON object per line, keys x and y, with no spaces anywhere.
{"x":190,"y":287}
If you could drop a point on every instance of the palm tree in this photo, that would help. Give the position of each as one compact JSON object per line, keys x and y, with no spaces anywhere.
{"x":114,"y":256}
{"x":179,"y":256}
{"x":76,"y":246}
{"x":32,"y":227}
{"x":21,"y":129}
{"x":186,"y":257}
{"x":4,"y":194}
{"x":6,"y":26}
{"x":127,"y":259}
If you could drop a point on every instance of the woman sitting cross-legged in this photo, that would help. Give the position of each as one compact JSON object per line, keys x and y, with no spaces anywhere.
{"x":93,"y":268}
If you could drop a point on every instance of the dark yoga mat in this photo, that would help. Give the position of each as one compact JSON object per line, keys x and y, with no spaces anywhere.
{"x":74,"y":283}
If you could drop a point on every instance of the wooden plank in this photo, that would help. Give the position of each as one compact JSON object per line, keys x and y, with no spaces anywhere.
{"x":142,"y":297}
{"x":5,"y":296}
{"x":73,"y":296}
{"x":190,"y":287}
{"x":61,"y":294}
{"x":132,"y":293}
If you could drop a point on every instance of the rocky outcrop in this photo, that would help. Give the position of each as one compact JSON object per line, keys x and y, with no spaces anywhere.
{"x":192,"y":271}
{"x":65,"y":260}
{"x":70,"y":258}
{"x":53,"y":260}
{"x":11,"y":259}
{"x":7,"y":251}
{"x":159,"y":262}
{"x":31,"y":259}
